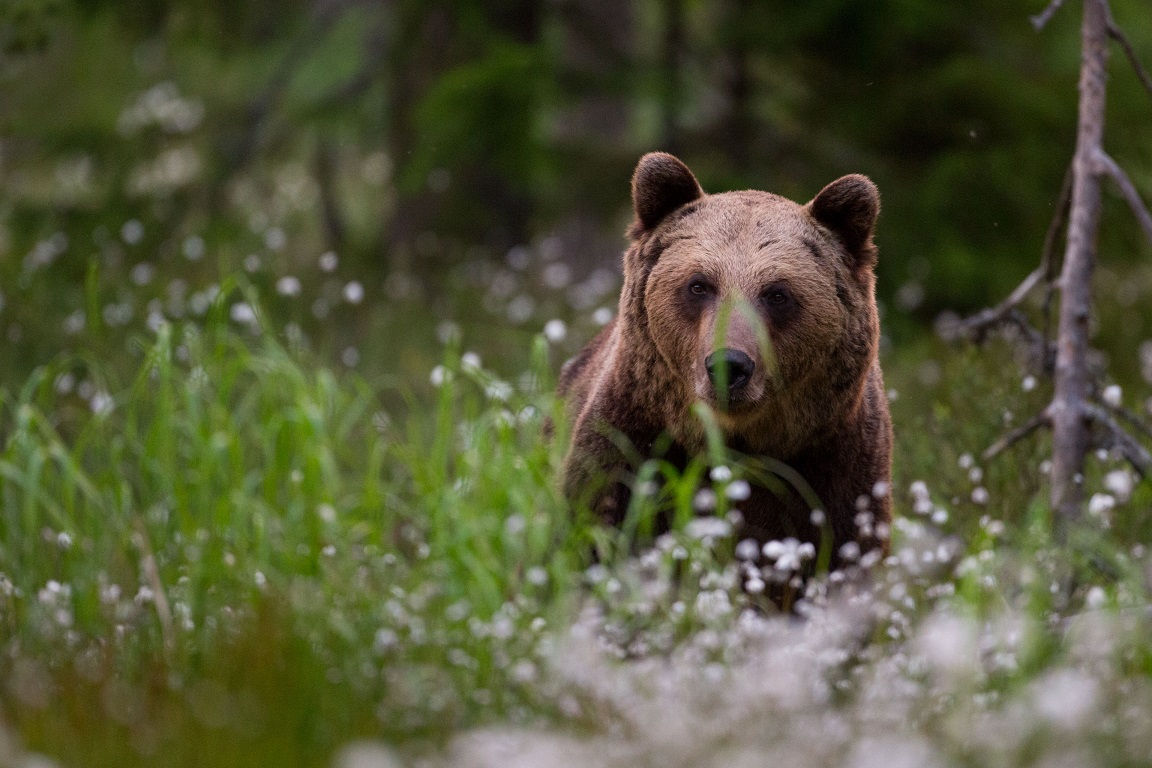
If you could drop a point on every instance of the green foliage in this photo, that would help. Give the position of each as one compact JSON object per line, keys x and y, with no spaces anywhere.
{"x":259,"y":496}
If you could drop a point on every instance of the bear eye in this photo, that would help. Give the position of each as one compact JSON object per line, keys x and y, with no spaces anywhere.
{"x":776,"y":297}
{"x":699,"y":288}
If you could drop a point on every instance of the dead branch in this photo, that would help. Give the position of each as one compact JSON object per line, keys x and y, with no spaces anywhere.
{"x":1135,"y":453}
{"x":977,"y":327}
{"x":1106,"y":164}
{"x":1070,"y":428}
{"x":1133,"y":419}
{"x":1040,"y":20}
{"x":1041,"y":419}
{"x":1118,"y":35}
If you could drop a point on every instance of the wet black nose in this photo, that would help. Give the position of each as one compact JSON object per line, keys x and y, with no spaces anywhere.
{"x":730,"y":368}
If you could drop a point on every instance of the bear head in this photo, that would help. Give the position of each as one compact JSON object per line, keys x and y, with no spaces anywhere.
{"x":759,"y":307}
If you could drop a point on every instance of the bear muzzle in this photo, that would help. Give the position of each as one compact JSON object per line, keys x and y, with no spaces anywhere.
{"x":730,"y":372}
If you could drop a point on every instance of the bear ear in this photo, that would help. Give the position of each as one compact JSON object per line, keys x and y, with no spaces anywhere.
{"x":660,"y":185}
{"x":849,"y":207}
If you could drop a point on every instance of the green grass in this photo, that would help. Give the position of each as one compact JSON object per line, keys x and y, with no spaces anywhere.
{"x":237,"y":556}
{"x":244,"y":525}
{"x":233,"y":518}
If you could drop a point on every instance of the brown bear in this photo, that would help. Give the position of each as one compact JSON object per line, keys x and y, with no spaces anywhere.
{"x":765,"y":311}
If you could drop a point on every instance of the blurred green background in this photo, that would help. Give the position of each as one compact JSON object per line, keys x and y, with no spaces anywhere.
{"x":273,"y":278}
{"x":444,"y":148}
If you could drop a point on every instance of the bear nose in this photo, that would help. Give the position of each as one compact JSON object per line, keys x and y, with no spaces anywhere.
{"x":731,"y":367}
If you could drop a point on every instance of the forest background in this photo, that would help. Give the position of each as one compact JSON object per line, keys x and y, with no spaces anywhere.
{"x":284,"y":287}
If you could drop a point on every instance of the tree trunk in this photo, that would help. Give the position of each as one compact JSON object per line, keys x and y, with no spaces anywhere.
{"x":1070,"y":421}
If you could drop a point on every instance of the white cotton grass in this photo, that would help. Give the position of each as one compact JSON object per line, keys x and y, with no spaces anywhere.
{"x":555,"y":331}
{"x":1119,"y":484}
{"x":753,"y":688}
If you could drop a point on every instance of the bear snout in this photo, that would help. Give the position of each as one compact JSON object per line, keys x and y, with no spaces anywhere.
{"x":729,"y":370}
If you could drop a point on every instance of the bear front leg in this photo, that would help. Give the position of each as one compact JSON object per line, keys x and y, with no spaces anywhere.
{"x":596,"y":476}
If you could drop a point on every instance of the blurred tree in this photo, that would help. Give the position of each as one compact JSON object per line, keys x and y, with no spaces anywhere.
{"x":495,"y":122}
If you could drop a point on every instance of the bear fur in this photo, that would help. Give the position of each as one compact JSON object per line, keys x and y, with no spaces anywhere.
{"x":793,"y":286}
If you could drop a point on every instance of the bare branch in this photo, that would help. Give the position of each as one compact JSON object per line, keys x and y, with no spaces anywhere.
{"x":977,"y":326}
{"x":1136,"y":454}
{"x":1041,"y":419}
{"x":1118,"y":35}
{"x":1133,"y":420}
{"x":1040,"y":20}
{"x":1107,"y":165}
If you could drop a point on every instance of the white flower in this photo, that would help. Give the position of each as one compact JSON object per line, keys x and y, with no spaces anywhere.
{"x":353,"y":292}
{"x":708,"y":527}
{"x":101,"y":403}
{"x":132,"y":232}
{"x":1113,"y":395}
{"x":748,"y":549}
{"x":1119,"y":484}
{"x":288,"y":286}
{"x":789,"y":554}
{"x":1067,"y":698}
{"x":242,"y":312}
{"x":193,"y":248}
{"x":712,"y":604}
{"x":1101,"y":504}
{"x":720,"y":474}
{"x":738,"y":490}
{"x":704,"y":500}
{"x":555,"y":330}
{"x":498,"y":390}
{"x":980,"y":495}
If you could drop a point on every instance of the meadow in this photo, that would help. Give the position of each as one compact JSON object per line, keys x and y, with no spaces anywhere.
{"x":284,"y":292}
{"x":258,"y":517}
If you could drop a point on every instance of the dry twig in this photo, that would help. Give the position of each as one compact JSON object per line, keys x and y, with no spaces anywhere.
{"x":1041,"y":419}
{"x":1136,"y":454}
{"x":1106,"y":164}
{"x":978,"y":326}
{"x":1133,"y":420}
{"x":1118,"y":35}
{"x":1040,"y":20}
